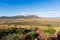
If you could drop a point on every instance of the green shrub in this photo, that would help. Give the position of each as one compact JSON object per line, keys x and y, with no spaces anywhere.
{"x":50,"y":31}
{"x":12,"y":37}
{"x":49,"y":39}
{"x":11,"y":30}
{"x":19,"y":30}
{"x":33,"y":35}
{"x":25,"y":31}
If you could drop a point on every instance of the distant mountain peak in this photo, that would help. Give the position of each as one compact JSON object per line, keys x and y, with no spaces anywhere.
{"x":19,"y":16}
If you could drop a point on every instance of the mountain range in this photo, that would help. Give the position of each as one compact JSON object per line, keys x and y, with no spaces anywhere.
{"x":19,"y":16}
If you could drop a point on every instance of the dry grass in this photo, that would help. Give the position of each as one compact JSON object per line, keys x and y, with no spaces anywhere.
{"x":54,"y":22}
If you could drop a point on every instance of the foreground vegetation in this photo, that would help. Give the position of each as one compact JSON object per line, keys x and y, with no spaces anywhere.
{"x":29,"y":30}
{"x":18,"y":34}
{"x":13,"y":33}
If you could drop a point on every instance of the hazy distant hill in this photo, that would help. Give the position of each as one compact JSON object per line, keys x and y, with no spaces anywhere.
{"x":20,"y":16}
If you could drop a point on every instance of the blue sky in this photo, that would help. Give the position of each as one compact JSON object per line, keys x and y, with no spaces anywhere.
{"x":42,"y":8}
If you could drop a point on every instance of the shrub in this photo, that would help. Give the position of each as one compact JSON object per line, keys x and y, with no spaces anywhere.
{"x":49,"y":25}
{"x":31,"y":35}
{"x":3,"y":33}
{"x":25,"y":31}
{"x":12,"y":37}
{"x":19,"y":30}
{"x":11,"y":30}
{"x":49,"y":39}
{"x":50,"y":31}
{"x":34,"y":28}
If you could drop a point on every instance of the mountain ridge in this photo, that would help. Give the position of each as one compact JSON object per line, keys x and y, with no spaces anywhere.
{"x":19,"y":16}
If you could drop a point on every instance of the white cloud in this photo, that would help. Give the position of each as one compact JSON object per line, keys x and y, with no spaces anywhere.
{"x":42,"y":14}
{"x":52,"y":12}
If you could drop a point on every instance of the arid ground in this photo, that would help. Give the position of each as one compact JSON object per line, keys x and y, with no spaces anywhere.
{"x":41,"y":23}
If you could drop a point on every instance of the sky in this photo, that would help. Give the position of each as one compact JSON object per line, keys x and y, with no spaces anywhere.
{"x":41,"y":8}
